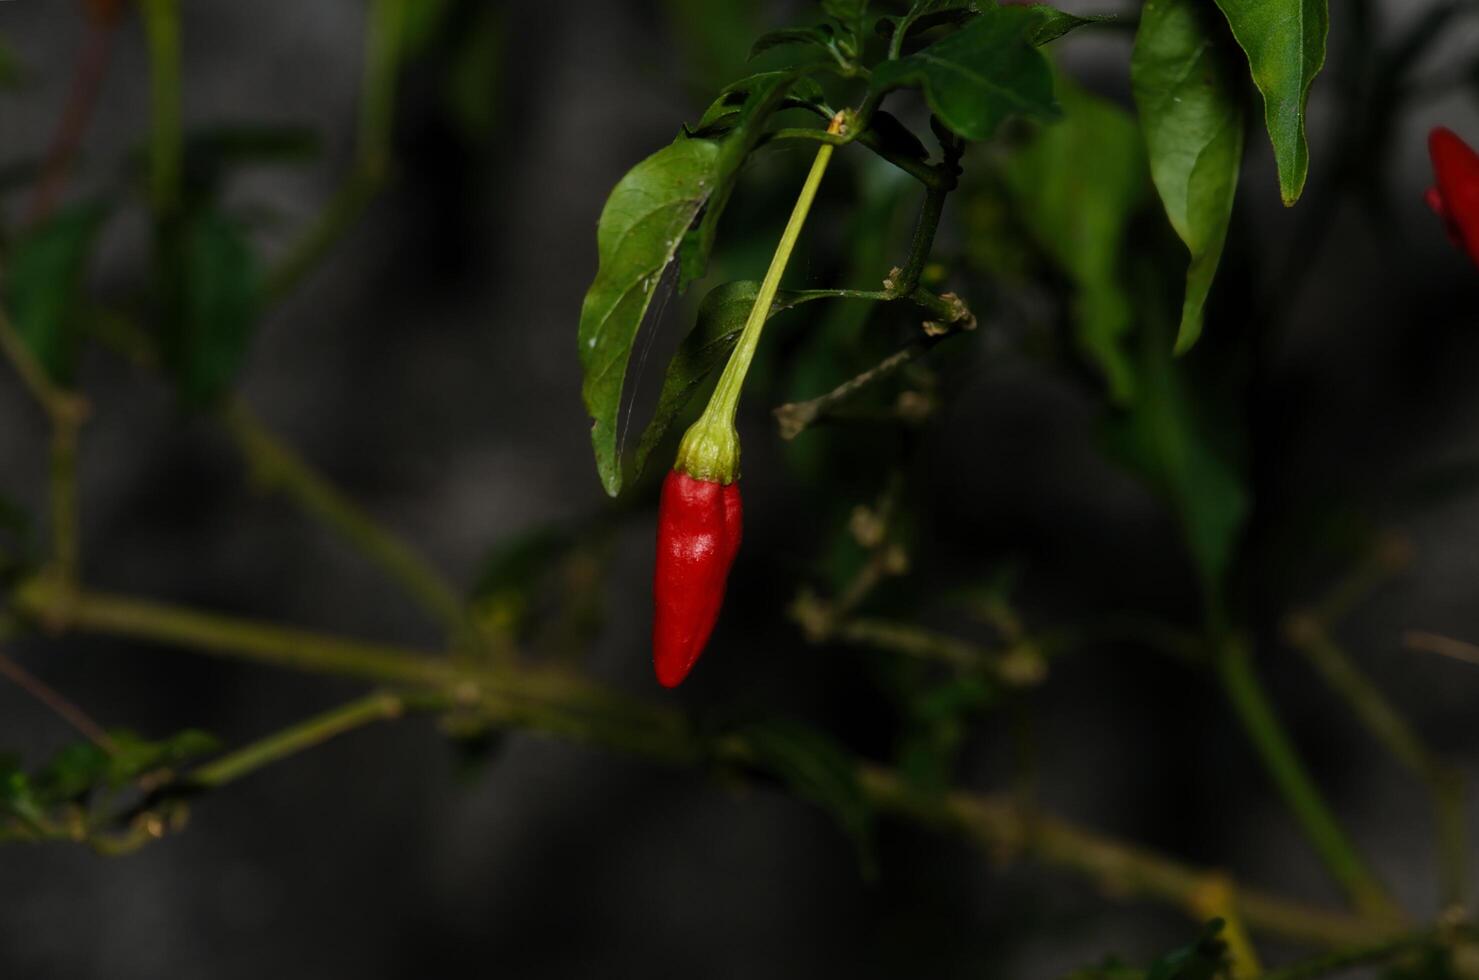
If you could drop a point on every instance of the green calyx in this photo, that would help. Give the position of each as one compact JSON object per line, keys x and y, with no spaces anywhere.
{"x":710,"y":448}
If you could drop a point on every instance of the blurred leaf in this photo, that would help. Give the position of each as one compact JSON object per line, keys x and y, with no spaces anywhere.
{"x":207,"y":339}
{"x":513,"y":570}
{"x":1205,"y":959}
{"x":421,"y":22}
{"x":1193,"y":125}
{"x":764,"y":95}
{"x":980,"y":75}
{"x":137,"y":757}
{"x":1165,"y":438}
{"x":721,"y":318}
{"x":43,"y":285}
{"x":17,"y":798}
{"x":11,"y":73}
{"x":475,"y":75}
{"x":1285,"y":44}
{"x":938,"y":720}
{"x":1077,"y":185}
{"x":643,"y":223}
{"x":817,"y":769}
{"x":71,"y":774}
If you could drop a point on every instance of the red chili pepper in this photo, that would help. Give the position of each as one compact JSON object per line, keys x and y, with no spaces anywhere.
{"x":699,"y":520}
{"x":1455,"y":198}
{"x":699,"y":525}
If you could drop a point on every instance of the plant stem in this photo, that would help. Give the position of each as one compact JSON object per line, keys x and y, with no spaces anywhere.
{"x":920,"y":170}
{"x":65,"y":411}
{"x":1251,"y":703}
{"x":278,"y":466}
{"x":370,"y":171}
{"x":57,"y":703}
{"x":381,"y":706}
{"x":87,"y":79}
{"x":709,"y":449}
{"x":166,"y":142}
{"x":564,"y":704}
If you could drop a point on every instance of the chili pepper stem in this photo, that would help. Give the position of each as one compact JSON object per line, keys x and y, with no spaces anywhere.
{"x":710,"y":447}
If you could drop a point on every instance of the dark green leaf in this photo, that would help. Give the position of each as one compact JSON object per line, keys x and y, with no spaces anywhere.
{"x":817,"y":769}
{"x":72,"y":773}
{"x":896,"y":138}
{"x":43,"y":285}
{"x":1053,"y":23}
{"x":476,"y":72}
{"x":221,"y":300}
{"x":1077,"y":185}
{"x":818,"y":37}
{"x":721,"y":318}
{"x":1167,"y":440}
{"x":135,"y":756}
{"x":17,"y":797}
{"x":1193,"y":126}
{"x":514,"y":570}
{"x":1206,"y":959}
{"x":10,"y":67}
{"x":851,"y":14}
{"x":980,"y":75}
{"x":644,"y":221}
{"x":729,"y":109}
{"x":421,"y":21}
{"x":764,"y":95}
{"x":1285,"y":44}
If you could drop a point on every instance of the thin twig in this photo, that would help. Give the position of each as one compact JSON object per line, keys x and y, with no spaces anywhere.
{"x":87,"y":80}
{"x":564,"y":704}
{"x":278,"y":466}
{"x":57,"y":703}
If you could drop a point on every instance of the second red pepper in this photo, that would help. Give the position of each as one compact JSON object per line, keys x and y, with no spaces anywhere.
{"x":1455,"y":196}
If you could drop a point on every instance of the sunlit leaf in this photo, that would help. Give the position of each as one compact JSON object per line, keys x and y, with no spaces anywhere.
{"x":1193,"y":126}
{"x":641,"y":228}
{"x":1285,"y":44}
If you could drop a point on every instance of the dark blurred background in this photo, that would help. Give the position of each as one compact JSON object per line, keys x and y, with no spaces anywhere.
{"x":428,"y":366}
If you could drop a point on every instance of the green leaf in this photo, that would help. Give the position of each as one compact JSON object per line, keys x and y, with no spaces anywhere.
{"x":1285,"y":44}
{"x":721,"y":318}
{"x":851,"y":14}
{"x":476,"y":73}
{"x":1206,"y":959}
{"x":979,"y":75}
{"x":817,"y":769}
{"x":1053,"y":23}
{"x":135,"y":756}
{"x":764,"y":95}
{"x":644,"y":221}
{"x":1166,"y":438}
{"x":729,"y":109}
{"x":207,"y":339}
{"x":1193,"y":126}
{"x":71,"y":774}
{"x":821,"y":37}
{"x":17,"y":797}
{"x":514,"y":570}
{"x":43,"y":285}
{"x":1077,"y":185}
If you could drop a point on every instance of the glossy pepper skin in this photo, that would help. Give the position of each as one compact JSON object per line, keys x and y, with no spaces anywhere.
{"x":699,"y":525}
{"x":1455,"y":194}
